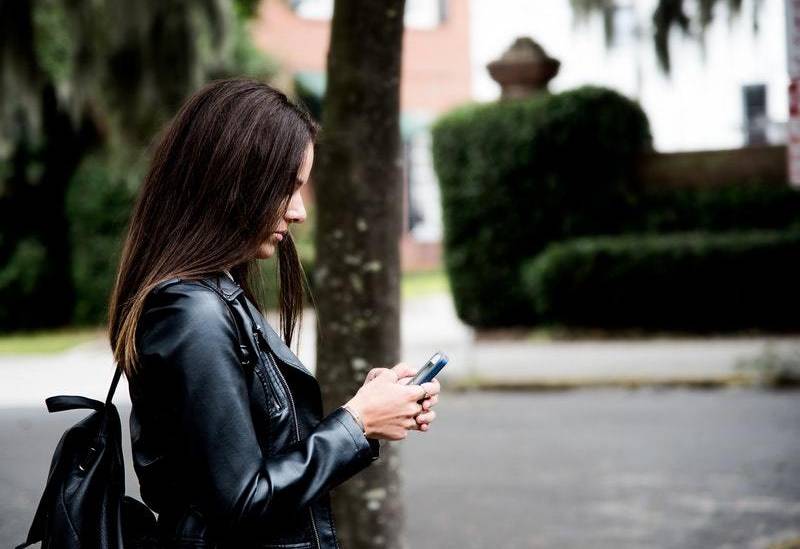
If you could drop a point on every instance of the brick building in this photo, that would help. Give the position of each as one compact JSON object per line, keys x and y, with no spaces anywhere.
{"x":435,"y":78}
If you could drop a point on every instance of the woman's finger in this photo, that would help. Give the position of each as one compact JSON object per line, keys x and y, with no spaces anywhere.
{"x":373,"y":373}
{"x":426,"y":417}
{"x":402,"y":370}
{"x":405,"y":380}
{"x":386,"y":375}
{"x":430,"y":401}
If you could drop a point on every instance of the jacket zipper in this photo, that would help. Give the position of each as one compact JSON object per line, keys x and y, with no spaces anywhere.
{"x":294,"y":418}
{"x":272,"y":398}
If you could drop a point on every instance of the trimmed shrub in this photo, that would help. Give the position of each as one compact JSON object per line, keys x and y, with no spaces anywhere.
{"x":681,"y":281}
{"x":516,"y":175}
{"x":717,"y":209}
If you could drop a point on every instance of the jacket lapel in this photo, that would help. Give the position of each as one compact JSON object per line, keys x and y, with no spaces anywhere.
{"x":231,"y":289}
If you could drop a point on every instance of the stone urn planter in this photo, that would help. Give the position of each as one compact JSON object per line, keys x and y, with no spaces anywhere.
{"x":524,"y":69}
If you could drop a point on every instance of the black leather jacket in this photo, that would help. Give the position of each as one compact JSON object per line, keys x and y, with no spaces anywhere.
{"x":231,"y":454}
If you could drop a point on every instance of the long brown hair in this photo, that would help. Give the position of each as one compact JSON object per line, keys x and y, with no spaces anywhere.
{"x":220,"y":179}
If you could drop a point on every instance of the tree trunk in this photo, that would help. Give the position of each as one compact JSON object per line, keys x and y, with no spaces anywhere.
{"x":358,"y":189}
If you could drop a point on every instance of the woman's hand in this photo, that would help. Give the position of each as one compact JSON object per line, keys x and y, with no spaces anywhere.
{"x":388,"y":408}
{"x":405,"y":373}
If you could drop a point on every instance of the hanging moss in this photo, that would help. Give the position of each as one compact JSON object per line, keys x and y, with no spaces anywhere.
{"x":94,"y":79}
{"x":668,"y":15}
{"x":55,"y":48}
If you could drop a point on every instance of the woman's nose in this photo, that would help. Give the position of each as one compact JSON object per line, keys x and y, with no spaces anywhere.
{"x":296,"y":213}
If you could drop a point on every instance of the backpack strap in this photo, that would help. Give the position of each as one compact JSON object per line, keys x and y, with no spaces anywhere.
{"x":72,"y":402}
{"x":113,"y":388}
{"x":245,"y":350}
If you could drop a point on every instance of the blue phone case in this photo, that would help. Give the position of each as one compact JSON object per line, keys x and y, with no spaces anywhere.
{"x":431,"y":368}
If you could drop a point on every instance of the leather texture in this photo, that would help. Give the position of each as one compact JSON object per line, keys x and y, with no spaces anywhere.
{"x":84,"y":503}
{"x":228,"y":436}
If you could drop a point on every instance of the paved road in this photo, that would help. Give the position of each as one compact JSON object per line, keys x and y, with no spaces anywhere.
{"x":602,"y":469}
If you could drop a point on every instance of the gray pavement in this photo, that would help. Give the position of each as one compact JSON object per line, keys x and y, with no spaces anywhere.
{"x":593,"y":468}
{"x":602,"y":468}
{"x":607,"y":469}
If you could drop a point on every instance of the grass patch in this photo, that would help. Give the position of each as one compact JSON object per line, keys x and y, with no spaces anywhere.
{"x":421,"y":283}
{"x":46,"y":341}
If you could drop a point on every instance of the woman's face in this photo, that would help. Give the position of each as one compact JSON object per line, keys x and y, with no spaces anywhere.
{"x":296,"y":211}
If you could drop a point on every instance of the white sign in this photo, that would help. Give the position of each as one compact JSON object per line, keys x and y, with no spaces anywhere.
{"x":793,"y":38}
{"x":793,"y":62}
{"x":793,"y":135}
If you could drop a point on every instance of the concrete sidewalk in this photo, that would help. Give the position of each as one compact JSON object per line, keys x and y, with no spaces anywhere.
{"x":430,"y":324}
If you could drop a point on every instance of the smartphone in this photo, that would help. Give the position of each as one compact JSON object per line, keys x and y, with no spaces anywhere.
{"x":431,"y":368}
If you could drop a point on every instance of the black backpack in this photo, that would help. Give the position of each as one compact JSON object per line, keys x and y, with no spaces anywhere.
{"x":84,"y":505}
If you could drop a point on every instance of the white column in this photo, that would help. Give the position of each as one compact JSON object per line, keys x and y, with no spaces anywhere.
{"x":793,"y":62}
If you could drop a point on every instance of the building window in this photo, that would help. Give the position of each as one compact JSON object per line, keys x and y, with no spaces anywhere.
{"x":313,"y":9}
{"x":424,"y":14}
{"x":424,"y":204}
{"x":419,"y":14}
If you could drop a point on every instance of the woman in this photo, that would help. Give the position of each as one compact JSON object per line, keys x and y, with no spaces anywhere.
{"x":229,"y":440}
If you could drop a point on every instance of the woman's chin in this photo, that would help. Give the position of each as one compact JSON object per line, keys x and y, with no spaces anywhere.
{"x":265,"y":251}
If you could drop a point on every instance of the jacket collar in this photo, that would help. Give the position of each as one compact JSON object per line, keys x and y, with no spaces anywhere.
{"x":231,"y":290}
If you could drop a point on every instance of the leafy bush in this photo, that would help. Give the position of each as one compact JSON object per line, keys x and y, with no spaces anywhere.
{"x":681,"y":281}
{"x":20,"y":277}
{"x":717,"y":209}
{"x":99,"y":203}
{"x":516,"y":175}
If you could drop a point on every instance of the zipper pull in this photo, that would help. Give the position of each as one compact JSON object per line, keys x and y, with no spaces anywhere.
{"x":261,"y":341}
{"x":245,"y":354}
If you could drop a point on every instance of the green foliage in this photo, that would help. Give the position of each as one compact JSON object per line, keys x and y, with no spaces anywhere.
{"x":55,"y":48}
{"x":246,"y":9}
{"x":247,"y":59}
{"x":517,"y":175}
{"x":93,"y":78}
{"x":49,"y":341}
{"x":99,"y":202}
{"x":681,"y":281}
{"x":123,"y":65}
{"x":20,"y":276}
{"x":717,"y":209}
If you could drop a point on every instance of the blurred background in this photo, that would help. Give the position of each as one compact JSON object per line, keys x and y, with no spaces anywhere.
{"x":601,"y":227}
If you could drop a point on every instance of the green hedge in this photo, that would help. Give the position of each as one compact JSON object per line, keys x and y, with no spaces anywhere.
{"x":516,"y":175}
{"x":716,"y":209}
{"x":681,"y":281}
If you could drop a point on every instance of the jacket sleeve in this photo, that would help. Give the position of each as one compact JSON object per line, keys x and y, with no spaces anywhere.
{"x":187,"y":331}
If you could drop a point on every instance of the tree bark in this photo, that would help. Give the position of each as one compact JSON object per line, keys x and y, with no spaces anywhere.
{"x":358,"y":189}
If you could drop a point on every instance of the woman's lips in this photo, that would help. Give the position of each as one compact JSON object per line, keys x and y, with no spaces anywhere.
{"x":279,"y":235}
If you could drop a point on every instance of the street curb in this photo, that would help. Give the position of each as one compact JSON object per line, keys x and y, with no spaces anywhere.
{"x":547,"y":385}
